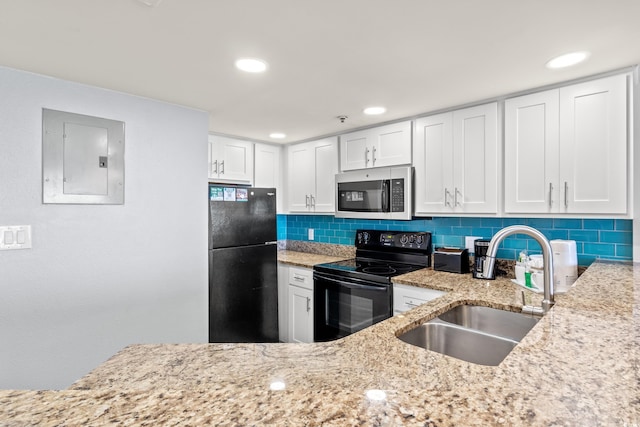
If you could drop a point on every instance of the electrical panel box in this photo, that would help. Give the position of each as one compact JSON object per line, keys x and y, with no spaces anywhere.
{"x":82,"y":159}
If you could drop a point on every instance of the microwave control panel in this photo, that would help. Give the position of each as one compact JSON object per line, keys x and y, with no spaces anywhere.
{"x":397,"y":195}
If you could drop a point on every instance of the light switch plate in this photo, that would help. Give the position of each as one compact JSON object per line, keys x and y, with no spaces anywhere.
{"x":15,"y":237}
{"x":311,"y":234}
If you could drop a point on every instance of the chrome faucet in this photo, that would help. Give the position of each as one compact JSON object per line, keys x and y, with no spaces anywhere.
{"x":547,"y":258}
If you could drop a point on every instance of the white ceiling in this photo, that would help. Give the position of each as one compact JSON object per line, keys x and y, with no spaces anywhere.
{"x":326,"y":57}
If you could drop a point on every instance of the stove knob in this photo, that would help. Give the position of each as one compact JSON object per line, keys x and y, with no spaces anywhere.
{"x":412,"y":238}
{"x":366,"y":237}
{"x":419,"y":240}
{"x":404,"y":239}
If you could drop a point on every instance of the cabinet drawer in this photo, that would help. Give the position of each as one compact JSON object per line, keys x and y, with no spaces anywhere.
{"x":302,"y":277}
{"x":407,"y":297}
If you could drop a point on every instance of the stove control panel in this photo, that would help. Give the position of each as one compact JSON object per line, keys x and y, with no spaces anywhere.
{"x":372,"y":239}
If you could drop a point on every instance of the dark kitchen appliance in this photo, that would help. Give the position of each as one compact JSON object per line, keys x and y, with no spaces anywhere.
{"x":452,"y":260}
{"x":379,"y":193}
{"x":480,"y":250}
{"x":243,"y":281}
{"x":351,"y":295}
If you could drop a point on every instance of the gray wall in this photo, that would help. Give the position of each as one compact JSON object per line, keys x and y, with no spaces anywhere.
{"x":99,"y":277}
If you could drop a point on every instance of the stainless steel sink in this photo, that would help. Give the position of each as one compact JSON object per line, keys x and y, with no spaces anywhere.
{"x":506,"y":324}
{"x":472,"y":333}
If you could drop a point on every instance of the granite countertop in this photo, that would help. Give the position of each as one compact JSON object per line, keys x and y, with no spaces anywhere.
{"x":578,"y":366}
{"x":307,"y":260}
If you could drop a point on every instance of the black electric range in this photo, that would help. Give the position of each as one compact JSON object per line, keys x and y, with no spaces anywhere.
{"x":353,"y":294}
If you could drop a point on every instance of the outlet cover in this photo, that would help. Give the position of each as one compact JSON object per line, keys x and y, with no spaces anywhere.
{"x":468,"y":242}
{"x":311,"y":234}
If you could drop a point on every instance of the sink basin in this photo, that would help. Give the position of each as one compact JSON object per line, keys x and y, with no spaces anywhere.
{"x":506,"y":324}
{"x":460,"y":343}
{"x":472,"y":333}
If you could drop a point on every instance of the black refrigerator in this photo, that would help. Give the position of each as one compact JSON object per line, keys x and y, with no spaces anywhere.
{"x":243,"y":271}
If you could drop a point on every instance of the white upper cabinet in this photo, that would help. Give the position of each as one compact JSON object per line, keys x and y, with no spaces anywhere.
{"x":455,"y":155}
{"x":593,"y":147}
{"x":230,"y":160}
{"x":566,"y":150}
{"x":267,"y":171}
{"x":388,"y":145}
{"x":531,"y":152}
{"x":312,"y":167}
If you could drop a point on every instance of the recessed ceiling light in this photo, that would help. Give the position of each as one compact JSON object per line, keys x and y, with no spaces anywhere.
{"x":372,"y":111}
{"x":251,"y":65}
{"x":277,"y":135}
{"x":150,"y":3}
{"x":567,"y":60}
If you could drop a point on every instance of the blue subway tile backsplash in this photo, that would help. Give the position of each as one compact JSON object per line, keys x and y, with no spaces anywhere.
{"x":595,"y":238}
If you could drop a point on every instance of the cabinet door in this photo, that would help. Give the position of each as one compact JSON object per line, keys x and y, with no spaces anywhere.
{"x":267,"y":169}
{"x":237,"y":160}
{"x":283,"y":302}
{"x":407,"y":297}
{"x":213,"y":173}
{"x":531,"y":153}
{"x":326,"y":167}
{"x":300,"y":314}
{"x":300,"y":177}
{"x":231,"y":159}
{"x":475,"y":159}
{"x":593,"y":147}
{"x":355,"y":151}
{"x":433,"y":161}
{"x":391,"y":145}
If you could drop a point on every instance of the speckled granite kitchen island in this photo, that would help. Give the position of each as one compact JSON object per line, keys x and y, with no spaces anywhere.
{"x":578,"y":366}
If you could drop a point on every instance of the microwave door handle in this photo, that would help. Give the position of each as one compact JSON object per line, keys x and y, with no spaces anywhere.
{"x":385,"y":197}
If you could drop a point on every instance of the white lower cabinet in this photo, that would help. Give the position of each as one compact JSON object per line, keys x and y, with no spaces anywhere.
{"x":300,"y":307}
{"x":283,"y":302}
{"x":407,"y":297}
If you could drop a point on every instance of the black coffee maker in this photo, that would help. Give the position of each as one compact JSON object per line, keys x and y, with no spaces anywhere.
{"x":480,"y":249}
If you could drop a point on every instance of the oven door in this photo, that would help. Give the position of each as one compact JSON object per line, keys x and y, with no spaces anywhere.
{"x":344,"y":305}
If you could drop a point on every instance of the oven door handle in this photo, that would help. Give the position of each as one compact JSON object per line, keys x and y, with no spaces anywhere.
{"x":350,"y":285}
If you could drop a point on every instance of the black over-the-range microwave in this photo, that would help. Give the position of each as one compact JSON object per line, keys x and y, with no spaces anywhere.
{"x":380,"y":193}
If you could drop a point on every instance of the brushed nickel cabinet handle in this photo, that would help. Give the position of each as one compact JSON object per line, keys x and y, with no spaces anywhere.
{"x":447,"y":194}
{"x":373,"y":156}
{"x":550,"y":194}
{"x":215,"y":163}
{"x":566,"y":191}
{"x":222,"y":167}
